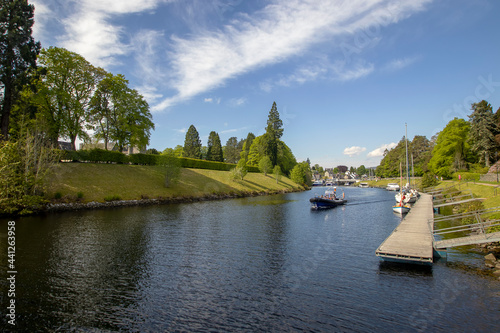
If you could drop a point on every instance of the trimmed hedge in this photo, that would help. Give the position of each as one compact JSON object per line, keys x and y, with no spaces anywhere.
{"x":106,"y":156}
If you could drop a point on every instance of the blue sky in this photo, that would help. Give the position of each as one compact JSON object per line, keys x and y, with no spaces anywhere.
{"x":346,"y":75}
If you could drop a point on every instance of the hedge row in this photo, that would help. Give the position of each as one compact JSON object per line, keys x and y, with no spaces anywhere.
{"x":107,"y":156}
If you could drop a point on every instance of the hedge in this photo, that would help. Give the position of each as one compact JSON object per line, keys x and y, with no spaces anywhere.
{"x":106,"y":156}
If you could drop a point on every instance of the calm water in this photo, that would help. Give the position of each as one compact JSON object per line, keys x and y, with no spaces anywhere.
{"x":254,"y":264}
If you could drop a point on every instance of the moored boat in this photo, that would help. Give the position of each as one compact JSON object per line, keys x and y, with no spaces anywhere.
{"x":392,"y":187}
{"x":401,"y":208}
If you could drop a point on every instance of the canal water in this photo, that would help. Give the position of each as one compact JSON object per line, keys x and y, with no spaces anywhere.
{"x":255,"y":264}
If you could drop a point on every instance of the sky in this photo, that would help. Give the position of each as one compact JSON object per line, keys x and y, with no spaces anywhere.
{"x":346,"y":75}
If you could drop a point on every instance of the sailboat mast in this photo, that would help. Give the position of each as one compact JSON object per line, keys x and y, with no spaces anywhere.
{"x":407,"y":166}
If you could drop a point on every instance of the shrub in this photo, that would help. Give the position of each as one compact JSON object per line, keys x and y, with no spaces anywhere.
{"x":112,"y":198}
{"x":79,"y":195}
{"x":58,"y":195}
{"x":144,"y":159}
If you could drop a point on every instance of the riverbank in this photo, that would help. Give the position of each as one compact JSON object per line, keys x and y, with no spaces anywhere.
{"x":76,"y":186}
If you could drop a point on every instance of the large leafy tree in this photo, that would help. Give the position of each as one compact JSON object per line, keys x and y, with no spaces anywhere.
{"x":120,"y":114}
{"x":483,"y":129}
{"x":214,"y":148}
{"x":65,"y":91}
{"x":452,"y":150}
{"x":18,"y":52}
{"x":274,"y":131}
{"x":192,"y":143}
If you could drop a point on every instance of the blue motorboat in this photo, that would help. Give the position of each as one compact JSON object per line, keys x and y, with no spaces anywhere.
{"x":329,"y":200}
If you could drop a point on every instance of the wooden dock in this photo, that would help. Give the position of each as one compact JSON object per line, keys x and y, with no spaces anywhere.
{"x":412,"y":240}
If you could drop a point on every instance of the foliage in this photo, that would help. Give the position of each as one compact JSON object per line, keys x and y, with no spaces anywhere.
{"x":24,"y":166}
{"x":177,"y":151}
{"x":265,"y":165}
{"x":64,"y":92}
{"x":192,"y":144}
{"x":120,"y":114}
{"x":106,"y":156}
{"x":172,"y":167}
{"x":18,"y":52}
{"x":452,"y":151}
{"x":232,"y":151}
{"x":361,"y":170}
{"x":247,"y":144}
{"x":389,"y":165}
{"x":285,"y":158}
{"x":274,"y":131}
{"x":301,"y":174}
{"x":428,"y":180}
{"x":240,"y":171}
{"x":277,"y":173}
{"x":214,"y":148}
{"x":482,"y":131}
{"x":114,"y":197}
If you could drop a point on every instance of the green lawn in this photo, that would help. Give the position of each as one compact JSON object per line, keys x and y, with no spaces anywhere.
{"x":128,"y":182}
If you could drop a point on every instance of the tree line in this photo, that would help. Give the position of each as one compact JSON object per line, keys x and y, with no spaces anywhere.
{"x":267,"y":152}
{"x":463,"y":145}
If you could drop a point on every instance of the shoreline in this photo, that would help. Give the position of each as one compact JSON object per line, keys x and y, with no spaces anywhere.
{"x":58,"y":207}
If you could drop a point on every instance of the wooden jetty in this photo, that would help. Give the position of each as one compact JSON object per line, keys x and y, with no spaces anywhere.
{"x":411,"y":241}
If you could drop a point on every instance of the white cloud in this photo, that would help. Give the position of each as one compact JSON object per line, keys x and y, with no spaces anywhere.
{"x":353,"y":151}
{"x":270,"y":36}
{"x":89,"y":30}
{"x":380,"y":150}
{"x":235,"y":102}
{"x":208,"y":100}
{"x":398,"y":64}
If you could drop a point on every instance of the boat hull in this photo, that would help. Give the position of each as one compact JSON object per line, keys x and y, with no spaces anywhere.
{"x":323,"y":203}
{"x":400,"y":209}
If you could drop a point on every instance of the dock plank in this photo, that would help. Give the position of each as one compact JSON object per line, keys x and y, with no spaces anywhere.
{"x":411,"y":240}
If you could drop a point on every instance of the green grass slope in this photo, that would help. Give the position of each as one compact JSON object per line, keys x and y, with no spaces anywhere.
{"x":95,"y":182}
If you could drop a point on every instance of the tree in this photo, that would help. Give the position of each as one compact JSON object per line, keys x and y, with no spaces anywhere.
{"x":482,"y":131}
{"x":361,"y":170}
{"x":120,"y":114}
{"x":24,"y":166}
{"x":192,"y":143}
{"x":240,"y":171}
{"x":452,"y":150}
{"x":277,"y":173}
{"x":274,"y":131}
{"x":245,"y":150}
{"x":265,"y":165}
{"x":65,"y":90}
{"x":172,"y":167}
{"x":232,"y":152}
{"x":301,"y":174}
{"x":18,"y":52}
{"x":214,"y":148}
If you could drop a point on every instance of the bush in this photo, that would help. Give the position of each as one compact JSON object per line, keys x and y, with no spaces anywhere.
{"x":144,"y":159}
{"x":107,"y":156}
{"x":112,"y":198}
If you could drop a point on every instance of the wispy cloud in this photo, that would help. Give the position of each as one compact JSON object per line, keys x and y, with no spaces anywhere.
{"x":353,"y":151}
{"x":89,"y":30}
{"x":270,"y":36}
{"x":209,"y":56}
{"x":380,"y":150}
{"x":235,"y":102}
{"x":398,"y":64}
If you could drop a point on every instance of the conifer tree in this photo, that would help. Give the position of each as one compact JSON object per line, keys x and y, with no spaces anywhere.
{"x":214,"y":148}
{"x":18,"y":52}
{"x":232,"y":152}
{"x":192,"y":143}
{"x":482,"y":131}
{"x":274,"y":131}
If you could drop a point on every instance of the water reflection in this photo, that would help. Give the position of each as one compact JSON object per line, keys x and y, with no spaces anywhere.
{"x":253,"y":264}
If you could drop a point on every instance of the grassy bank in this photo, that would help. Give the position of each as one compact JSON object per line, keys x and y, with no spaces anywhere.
{"x":87,"y":182}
